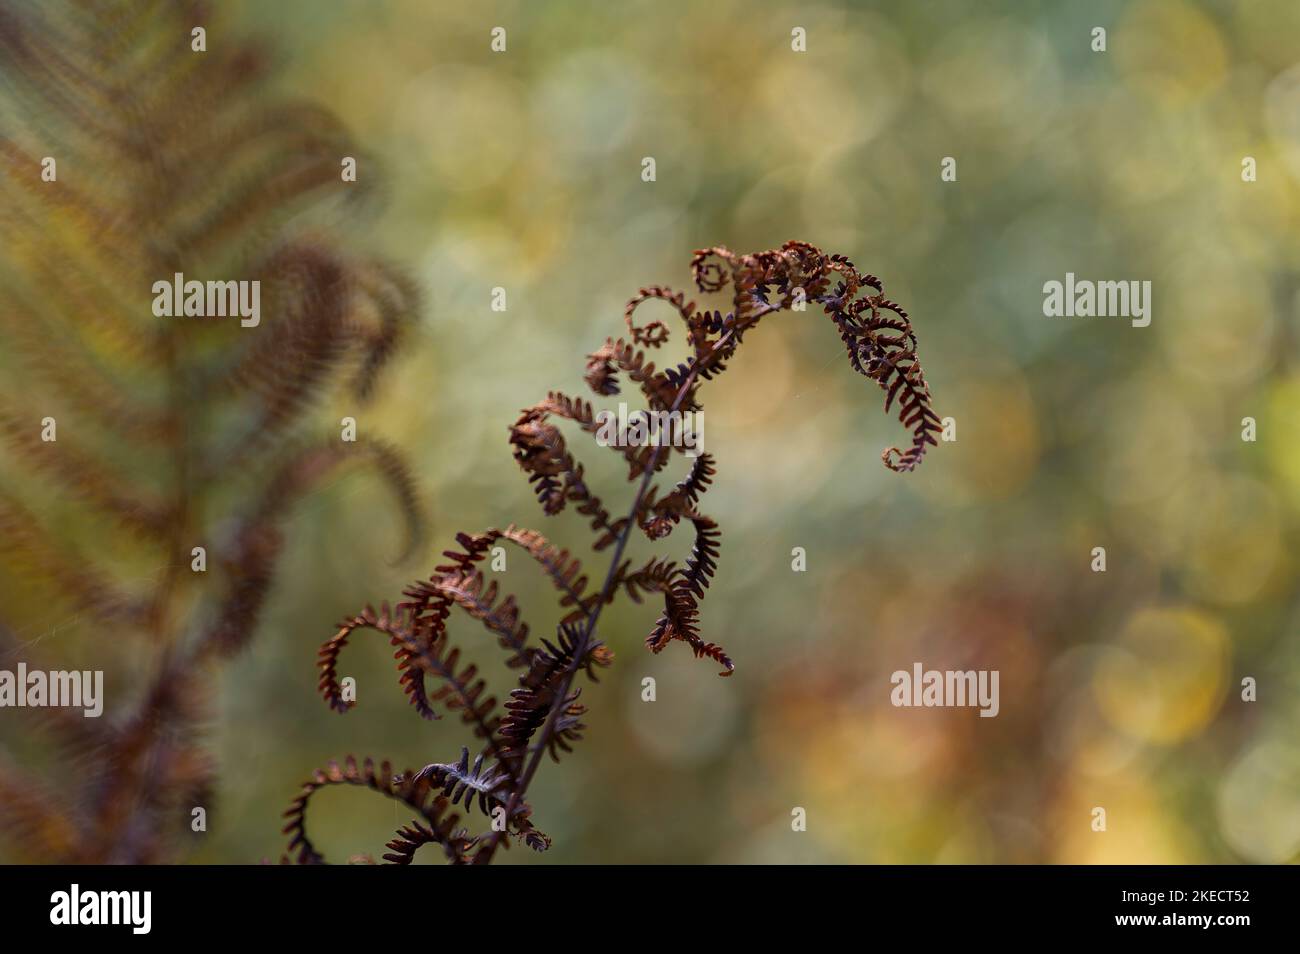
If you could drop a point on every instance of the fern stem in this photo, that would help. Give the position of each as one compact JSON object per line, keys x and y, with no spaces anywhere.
{"x":589,"y":630}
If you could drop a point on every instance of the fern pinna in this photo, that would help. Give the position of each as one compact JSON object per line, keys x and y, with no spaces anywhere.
{"x":543,"y":714}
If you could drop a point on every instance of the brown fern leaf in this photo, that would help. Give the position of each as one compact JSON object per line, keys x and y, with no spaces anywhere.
{"x":456,"y":843}
{"x":37,"y":819}
{"x":543,"y":715}
{"x":440,"y":824}
{"x":160,"y":419}
{"x":460,"y":691}
{"x":537,"y":695}
{"x":489,"y":789}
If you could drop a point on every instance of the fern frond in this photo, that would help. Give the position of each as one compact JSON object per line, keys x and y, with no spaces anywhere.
{"x":456,"y":843}
{"x":441,"y":825}
{"x":488,"y":787}
{"x":543,"y":715}
{"x":159,"y":419}
{"x":465,"y":784}
{"x":39,"y":823}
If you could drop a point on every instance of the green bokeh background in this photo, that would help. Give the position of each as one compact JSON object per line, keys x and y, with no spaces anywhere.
{"x":1119,"y":689}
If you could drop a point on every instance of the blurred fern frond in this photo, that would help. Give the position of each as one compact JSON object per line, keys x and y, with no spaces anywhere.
{"x":128,"y":156}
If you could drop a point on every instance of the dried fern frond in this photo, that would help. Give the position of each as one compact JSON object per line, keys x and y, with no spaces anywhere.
{"x":439,"y":823}
{"x":543,"y":715}
{"x":172,"y":433}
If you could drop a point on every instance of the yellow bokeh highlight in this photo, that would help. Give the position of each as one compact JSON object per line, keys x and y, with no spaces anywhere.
{"x":1140,"y":829}
{"x":1281,"y":436}
{"x":1165,"y":676}
{"x":1169,"y":50}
